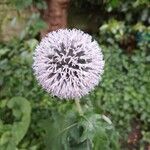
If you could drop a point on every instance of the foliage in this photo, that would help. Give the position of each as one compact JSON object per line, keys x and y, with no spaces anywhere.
{"x":93,"y":13}
{"x":123,"y":95}
{"x":67,"y":130}
{"x":12,"y":133}
{"x":123,"y":91}
{"x":53,"y":124}
{"x":33,"y":26}
{"x":27,"y":10}
{"x":22,"y":4}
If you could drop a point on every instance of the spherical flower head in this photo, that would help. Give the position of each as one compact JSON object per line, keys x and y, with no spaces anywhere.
{"x":68,"y":63}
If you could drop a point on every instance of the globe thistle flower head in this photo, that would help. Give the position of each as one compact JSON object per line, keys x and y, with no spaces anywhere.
{"x":68,"y":63}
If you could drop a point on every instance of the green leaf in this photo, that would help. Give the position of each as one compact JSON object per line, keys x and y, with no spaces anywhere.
{"x":11,"y":137}
{"x":98,"y":130}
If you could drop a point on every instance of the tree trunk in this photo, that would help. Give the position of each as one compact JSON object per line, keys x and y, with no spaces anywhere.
{"x":55,"y":15}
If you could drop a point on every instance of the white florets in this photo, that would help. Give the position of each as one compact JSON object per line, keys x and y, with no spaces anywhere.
{"x":68,"y":63}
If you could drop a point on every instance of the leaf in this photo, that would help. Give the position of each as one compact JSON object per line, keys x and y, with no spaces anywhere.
{"x":11,"y":136}
{"x":21,"y":4}
{"x":31,"y":44}
{"x":98,"y":130}
{"x":3,"y":51}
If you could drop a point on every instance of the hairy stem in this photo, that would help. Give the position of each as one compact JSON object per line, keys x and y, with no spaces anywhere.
{"x":77,"y":101}
{"x":67,"y":128}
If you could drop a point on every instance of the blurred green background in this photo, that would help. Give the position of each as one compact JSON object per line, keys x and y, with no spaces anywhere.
{"x":30,"y":119}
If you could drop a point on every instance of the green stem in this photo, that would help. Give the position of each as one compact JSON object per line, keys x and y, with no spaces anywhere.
{"x":67,"y":128}
{"x":77,"y":101}
{"x":79,"y":108}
